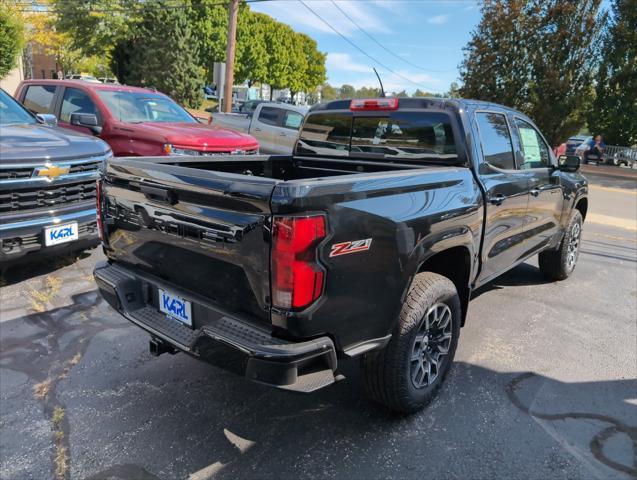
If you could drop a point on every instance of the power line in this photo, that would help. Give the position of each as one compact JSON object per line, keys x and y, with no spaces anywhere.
{"x":384,"y":47}
{"x":375,"y":60}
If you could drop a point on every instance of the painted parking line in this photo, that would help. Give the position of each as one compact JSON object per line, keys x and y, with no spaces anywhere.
{"x":625,"y":223}
{"x":626,"y":191}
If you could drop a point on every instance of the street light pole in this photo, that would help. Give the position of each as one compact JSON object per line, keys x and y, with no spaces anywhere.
{"x":233,"y":9}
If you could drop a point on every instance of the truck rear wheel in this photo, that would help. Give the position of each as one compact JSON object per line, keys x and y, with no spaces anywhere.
{"x":559,"y":264}
{"x":406,"y":375}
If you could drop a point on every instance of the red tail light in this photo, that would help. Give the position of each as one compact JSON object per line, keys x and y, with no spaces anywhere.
{"x":297,"y":278}
{"x":98,"y":208}
{"x":374,"y":104}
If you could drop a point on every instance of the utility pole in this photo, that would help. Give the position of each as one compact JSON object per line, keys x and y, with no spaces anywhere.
{"x":233,"y":10}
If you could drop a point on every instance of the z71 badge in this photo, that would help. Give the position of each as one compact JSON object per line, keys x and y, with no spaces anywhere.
{"x":350,"y":247}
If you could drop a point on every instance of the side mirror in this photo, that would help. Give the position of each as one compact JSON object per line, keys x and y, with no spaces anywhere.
{"x":568,"y":163}
{"x":87,"y":120}
{"x":47,"y":119}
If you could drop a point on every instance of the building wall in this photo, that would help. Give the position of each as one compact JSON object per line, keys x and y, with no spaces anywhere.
{"x":44,"y":64}
{"x":14,"y":77}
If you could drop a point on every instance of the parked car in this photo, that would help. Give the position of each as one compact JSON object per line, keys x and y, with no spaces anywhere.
{"x":582,"y":148}
{"x":274,"y":125}
{"x":574,"y":142}
{"x":83,"y":77}
{"x":624,"y":156}
{"x":366,"y":242}
{"x":134,"y":121}
{"x":250,"y":106}
{"x":112,"y":80}
{"x":209,"y":92}
{"x":47,"y":185}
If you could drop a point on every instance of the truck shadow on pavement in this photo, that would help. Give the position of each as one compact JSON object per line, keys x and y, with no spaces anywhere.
{"x":24,"y":271}
{"x":257,"y":433}
{"x":128,"y":415}
{"x":524,"y":274}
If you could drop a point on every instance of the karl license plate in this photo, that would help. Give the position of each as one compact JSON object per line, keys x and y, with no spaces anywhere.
{"x":175,"y":307}
{"x":60,"y":234}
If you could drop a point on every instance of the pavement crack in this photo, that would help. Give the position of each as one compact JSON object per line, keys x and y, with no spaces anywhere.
{"x":596,"y":444}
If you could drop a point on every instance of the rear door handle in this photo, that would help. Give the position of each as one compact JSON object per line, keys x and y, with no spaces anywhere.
{"x":497,"y":200}
{"x":257,"y":129}
{"x":283,"y":134}
{"x":535,"y":192}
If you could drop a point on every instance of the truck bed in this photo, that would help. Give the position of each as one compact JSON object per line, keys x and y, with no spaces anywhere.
{"x":204,"y":225}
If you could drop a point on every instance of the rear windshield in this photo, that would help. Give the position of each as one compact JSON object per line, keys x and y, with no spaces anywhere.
{"x":401,"y":134}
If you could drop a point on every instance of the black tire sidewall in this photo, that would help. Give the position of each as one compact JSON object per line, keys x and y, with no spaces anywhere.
{"x":423,"y":395}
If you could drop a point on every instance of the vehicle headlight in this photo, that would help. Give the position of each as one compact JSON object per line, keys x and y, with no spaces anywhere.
{"x":170,"y":150}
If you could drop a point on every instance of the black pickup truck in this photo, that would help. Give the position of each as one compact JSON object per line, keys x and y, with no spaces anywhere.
{"x":367,"y":242}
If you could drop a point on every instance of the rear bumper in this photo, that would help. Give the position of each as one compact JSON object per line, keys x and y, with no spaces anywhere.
{"x":22,"y":237}
{"x":299,"y":366}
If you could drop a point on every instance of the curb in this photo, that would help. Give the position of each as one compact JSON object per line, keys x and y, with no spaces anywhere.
{"x":608,"y":171}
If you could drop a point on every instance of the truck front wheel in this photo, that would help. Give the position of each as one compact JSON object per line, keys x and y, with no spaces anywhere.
{"x":559,"y":264}
{"x":406,"y":375}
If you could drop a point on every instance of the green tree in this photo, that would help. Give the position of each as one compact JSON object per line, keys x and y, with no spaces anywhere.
{"x":347,"y":91}
{"x":210,"y":21}
{"x":96,"y":26}
{"x":401,"y":94}
{"x":251,"y":62}
{"x":368,"y":92}
{"x":165,"y":55}
{"x":454,"y":91}
{"x":315,"y":73}
{"x":328,"y":92}
{"x":613,"y":113}
{"x":299,"y":65}
{"x":279,"y":39}
{"x":537,"y":56}
{"x":11,"y":40}
{"x":421,"y":93}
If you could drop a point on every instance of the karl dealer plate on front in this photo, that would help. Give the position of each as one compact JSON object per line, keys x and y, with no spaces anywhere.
{"x":175,"y":307}
{"x":60,"y":234}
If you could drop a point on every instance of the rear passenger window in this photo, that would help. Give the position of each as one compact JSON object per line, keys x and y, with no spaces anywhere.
{"x":75,"y":101}
{"x":408,"y":135}
{"x":269,"y":115}
{"x":39,"y":98}
{"x":535,"y":151}
{"x":496,"y":140}
{"x":326,"y":134}
{"x":292,"y":120}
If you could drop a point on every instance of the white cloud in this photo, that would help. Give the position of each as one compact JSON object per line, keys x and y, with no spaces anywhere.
{"x":438,"y":19}
{"x":393,"y":82}
{"x":300,"y":18}
{"x":343,"y":62}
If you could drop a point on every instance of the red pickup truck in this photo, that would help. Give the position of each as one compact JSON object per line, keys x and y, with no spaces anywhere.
{"x":133,"y":121}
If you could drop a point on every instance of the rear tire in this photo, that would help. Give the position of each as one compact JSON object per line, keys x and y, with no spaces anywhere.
{"x":407,"y":374}
{"x":559,"y":264}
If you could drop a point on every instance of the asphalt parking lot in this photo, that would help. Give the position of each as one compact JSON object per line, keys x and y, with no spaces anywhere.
{"x":544,"y":386}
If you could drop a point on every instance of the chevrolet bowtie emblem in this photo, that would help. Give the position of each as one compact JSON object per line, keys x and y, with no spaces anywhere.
{"x":51,"y":171}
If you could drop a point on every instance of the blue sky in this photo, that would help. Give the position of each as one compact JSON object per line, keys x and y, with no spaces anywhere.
{"x":426,"y":36}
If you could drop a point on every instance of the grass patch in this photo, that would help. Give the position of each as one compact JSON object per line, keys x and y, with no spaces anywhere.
{"x":41,"y":298}
{"x":76,"y":359}
{"x":58,"y":416}
{"x":61,"y":461}
{"x":41,"y":390}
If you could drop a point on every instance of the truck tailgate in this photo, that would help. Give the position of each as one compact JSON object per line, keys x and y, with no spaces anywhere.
{"x":212,"y":241}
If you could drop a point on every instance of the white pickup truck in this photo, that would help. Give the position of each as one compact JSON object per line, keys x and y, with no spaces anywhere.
{"x":274,"y":125}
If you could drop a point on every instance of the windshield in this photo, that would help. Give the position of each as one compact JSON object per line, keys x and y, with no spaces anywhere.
{"x":400,"y":134}
{"x":136,"y":107}
{"x":11,"y":112}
